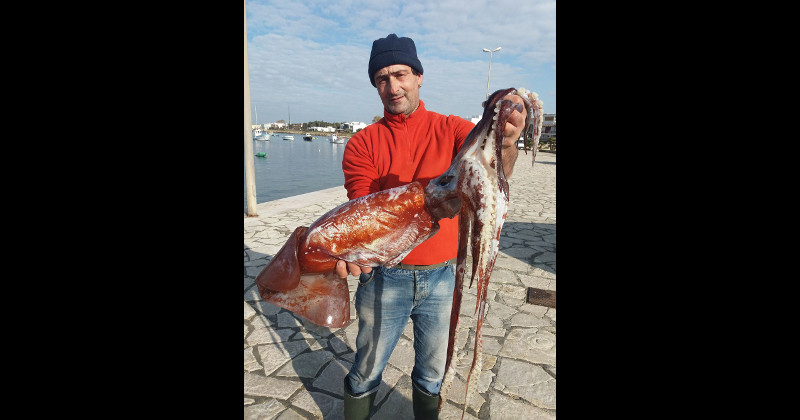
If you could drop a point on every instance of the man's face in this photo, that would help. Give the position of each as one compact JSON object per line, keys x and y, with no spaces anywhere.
{"x":398,"y":88}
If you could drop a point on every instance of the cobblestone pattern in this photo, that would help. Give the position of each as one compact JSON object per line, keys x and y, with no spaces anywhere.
{"x":294,"y":369}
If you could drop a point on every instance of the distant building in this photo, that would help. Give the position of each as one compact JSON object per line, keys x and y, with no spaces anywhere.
{"x":323,"y":129}
{"x":548,"y":126}
{"x":353,"y":126}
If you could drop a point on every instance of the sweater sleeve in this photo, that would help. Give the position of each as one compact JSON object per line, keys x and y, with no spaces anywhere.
{"x":360,"y":174}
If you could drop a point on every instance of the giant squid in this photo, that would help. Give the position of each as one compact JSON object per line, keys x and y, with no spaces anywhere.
{"x":381,"y":228}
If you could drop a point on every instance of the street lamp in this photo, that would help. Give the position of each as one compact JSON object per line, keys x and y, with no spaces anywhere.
{"x":490,"y":67}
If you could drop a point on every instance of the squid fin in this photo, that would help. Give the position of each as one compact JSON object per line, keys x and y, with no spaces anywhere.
{"x":282,"y":274}
{"x":323,"y":299}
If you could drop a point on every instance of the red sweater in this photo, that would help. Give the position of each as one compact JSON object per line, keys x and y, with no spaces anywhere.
{"x":398,"y":150}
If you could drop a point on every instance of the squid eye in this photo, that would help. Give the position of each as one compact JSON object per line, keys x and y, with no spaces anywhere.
{"x":445,"y":179}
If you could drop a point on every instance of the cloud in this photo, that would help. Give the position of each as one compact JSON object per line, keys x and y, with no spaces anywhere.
{"x":311,"y":56}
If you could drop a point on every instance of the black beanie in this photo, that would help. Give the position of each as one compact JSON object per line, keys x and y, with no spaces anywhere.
{"x":392,"y":50}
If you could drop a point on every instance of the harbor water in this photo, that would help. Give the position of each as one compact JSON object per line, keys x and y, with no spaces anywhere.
{"x":292,"y":167}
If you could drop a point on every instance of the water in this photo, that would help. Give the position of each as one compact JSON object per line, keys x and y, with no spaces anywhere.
{"x":295,"y":167}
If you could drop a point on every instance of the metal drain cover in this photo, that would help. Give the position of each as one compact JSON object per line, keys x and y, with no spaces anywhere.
{"x":541,"y":297}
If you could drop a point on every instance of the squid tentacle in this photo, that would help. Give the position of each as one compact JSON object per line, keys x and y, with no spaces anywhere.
{"x":478,"y":176}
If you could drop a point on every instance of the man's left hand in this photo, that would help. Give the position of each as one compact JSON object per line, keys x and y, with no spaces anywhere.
{"x":515,"y":123}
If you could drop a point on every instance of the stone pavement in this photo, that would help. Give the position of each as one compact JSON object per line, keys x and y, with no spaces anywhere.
{"x":294,"y":369}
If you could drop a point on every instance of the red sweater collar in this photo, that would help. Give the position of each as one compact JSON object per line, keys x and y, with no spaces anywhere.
{"x":401,"y":118}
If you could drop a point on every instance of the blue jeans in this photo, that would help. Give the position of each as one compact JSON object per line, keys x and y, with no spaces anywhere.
{"x":384,"y":301}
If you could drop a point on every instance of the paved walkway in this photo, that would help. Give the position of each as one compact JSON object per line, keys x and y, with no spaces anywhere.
{"x":294,"y":369}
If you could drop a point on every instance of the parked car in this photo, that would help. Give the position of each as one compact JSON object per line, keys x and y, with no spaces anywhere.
{"x":521,"y":143}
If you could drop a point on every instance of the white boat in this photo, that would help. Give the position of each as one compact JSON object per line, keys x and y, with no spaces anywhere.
{"x":259,"y":135}
{"x":335,"y":139}
{"x":287,"y":137}
{"x":307,"y":137}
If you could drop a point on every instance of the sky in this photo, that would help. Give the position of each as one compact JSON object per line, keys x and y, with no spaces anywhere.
{"x":310,"y":57}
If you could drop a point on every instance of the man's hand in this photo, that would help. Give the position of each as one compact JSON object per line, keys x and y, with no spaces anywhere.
{"x":515,"y":123}
{"x":514,"y":126}
{"x":343,"y":267}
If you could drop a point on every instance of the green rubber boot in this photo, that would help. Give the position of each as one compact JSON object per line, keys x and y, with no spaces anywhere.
{"x":358,"y":407}
{"x":426,"y":406}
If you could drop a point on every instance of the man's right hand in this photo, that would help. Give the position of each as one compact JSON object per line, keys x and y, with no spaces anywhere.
{"x":343,"y":267}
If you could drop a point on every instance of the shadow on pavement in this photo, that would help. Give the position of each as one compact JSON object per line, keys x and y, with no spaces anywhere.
{"x":320,"y":358}
{"x":532,"y":243}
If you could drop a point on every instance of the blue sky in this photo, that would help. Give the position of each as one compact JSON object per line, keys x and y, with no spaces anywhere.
{"x":311,"y":56}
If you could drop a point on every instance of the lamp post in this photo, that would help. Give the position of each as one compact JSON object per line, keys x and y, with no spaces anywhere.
{"x":490,"y":67}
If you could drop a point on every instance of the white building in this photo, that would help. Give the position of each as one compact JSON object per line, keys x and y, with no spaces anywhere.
{"x":323,"y":129}
{"x":353,"y":126}
{"x":548,"y":126}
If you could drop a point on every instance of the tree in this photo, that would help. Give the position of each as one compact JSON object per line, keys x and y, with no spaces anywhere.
{"x":375,"y":119}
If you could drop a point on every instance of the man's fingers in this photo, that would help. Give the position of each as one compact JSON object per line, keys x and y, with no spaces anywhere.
{"x":356,"y":270}
{"x":343,"y":268}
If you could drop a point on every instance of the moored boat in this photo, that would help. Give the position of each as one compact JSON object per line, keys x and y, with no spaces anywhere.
{"x":336,"y":139}
{"x":288,"y":137}
{"x":260,"y":135}
{"x":307,"y":137}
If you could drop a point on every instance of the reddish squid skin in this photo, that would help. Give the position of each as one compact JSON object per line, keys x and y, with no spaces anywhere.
{"x":377,"y":229}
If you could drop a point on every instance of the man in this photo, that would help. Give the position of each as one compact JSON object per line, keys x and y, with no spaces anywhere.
{"x":408,"y":144}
